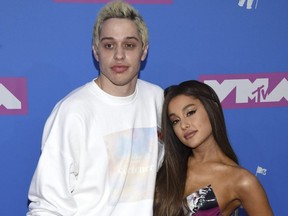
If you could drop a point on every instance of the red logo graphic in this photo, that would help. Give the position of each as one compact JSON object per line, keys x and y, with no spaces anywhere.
{"x":129,"y":1}
{"x":13,"y":96}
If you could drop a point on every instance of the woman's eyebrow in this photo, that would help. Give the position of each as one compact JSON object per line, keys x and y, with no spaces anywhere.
{"x":183,"y":109}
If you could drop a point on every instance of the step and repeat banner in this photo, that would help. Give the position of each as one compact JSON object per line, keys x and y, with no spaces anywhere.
{"x":239,"y":47}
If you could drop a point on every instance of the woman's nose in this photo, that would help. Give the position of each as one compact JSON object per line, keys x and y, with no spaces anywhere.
{"x":185,"y":124}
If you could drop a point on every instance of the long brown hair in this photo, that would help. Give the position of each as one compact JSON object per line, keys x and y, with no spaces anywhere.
{"x":171,"y":178}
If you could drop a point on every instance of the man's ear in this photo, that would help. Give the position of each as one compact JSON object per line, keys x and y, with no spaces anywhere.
{"x":145,"y":51}
{"x":95,"y":52}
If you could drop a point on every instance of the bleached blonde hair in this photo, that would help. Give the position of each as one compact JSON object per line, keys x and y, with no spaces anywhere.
{"x":123,"y":10}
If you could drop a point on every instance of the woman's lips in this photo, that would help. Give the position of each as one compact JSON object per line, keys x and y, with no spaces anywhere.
{"x":189,"y":134}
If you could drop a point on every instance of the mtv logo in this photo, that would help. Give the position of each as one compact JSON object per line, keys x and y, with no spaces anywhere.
{"x":250,"y":90}
{"x":13,"y":96}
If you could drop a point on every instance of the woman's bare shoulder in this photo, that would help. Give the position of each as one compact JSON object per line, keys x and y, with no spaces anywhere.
{"x":244,"y":179}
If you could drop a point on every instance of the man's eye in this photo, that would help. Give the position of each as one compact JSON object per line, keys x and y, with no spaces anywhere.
{"x":108,"y":46}
{"x":129,"y":46}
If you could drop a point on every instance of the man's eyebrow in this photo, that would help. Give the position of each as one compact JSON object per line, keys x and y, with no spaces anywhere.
{"x":127,"y":38}
{"x":133,"y":38}
{"x":106,"y":38}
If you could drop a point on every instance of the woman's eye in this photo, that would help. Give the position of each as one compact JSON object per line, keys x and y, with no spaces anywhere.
{"x":174,"y":122}
{"x":191,"y":112}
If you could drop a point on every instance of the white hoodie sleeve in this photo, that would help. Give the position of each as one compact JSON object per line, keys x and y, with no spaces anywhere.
{"x":55,"y":178}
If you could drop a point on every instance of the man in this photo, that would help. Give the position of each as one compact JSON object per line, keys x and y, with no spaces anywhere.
{"x":100,"y":143}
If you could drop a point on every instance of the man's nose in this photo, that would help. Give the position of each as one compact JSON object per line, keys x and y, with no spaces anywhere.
{"x":119,"y":53}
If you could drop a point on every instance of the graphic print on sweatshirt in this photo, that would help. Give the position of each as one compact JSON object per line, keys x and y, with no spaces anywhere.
{"x":132,"y":163}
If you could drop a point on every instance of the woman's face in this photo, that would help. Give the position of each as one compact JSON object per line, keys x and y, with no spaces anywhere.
{"x":190,"y":121}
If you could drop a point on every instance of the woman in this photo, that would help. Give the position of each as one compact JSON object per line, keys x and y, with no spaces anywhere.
{"x":200,"y":174}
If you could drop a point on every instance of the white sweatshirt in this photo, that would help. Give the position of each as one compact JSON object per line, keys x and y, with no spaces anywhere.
{"x":99,"y":154}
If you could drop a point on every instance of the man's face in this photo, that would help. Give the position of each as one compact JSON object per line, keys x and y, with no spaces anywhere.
{"x":119,"y":54}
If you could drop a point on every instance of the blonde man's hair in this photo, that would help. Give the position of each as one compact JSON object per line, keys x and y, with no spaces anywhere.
{"x":123,"y":10}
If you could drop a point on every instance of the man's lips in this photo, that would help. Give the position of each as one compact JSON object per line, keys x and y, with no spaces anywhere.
{"x":119,"y":68}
